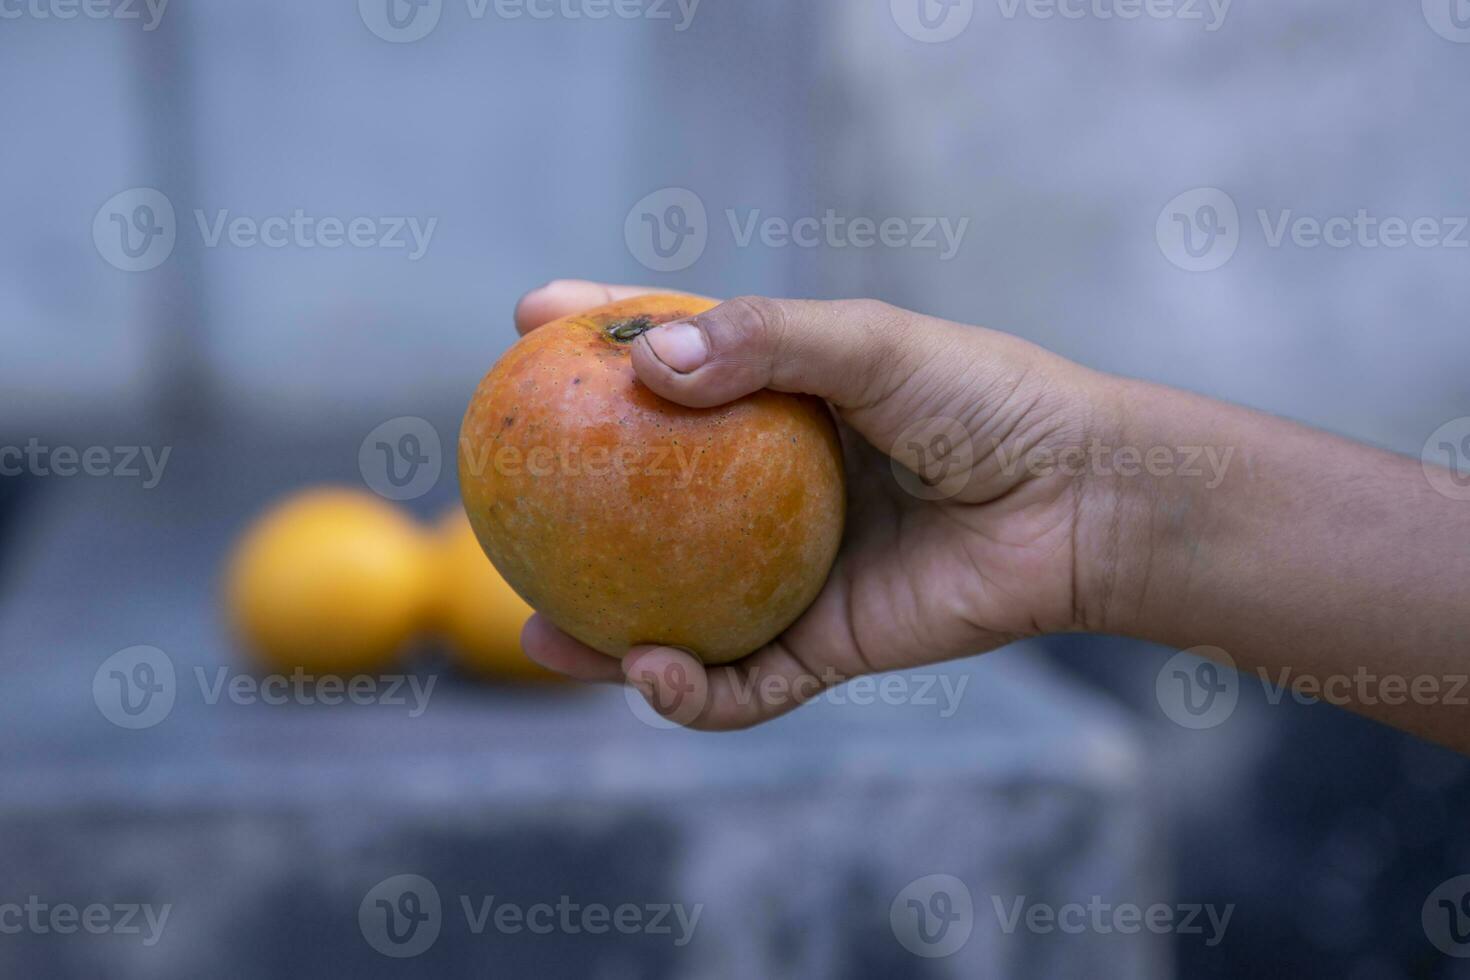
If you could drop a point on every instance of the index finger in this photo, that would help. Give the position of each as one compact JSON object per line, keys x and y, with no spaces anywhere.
{"x":564,"y":297}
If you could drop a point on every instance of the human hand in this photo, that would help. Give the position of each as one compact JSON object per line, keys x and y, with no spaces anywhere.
{"x":958,"y":550}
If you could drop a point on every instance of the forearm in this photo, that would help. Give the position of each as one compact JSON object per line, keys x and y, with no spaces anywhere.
{"x":1309,"y":559}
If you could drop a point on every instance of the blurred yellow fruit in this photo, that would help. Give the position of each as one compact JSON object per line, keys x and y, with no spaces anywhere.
{"x":333,"y":581}
{"x":477,"y":613}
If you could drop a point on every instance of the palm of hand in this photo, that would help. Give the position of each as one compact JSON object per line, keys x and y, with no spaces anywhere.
{"x":919,"y":581}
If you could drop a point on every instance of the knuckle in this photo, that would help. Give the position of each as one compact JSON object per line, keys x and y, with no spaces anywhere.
{"x":753,"y":321}
{"x":878,"y":334}
{"x":869,"y":310}
{"x":875,"y":320}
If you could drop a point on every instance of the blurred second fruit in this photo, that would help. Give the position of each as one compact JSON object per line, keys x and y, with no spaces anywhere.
{"x":334,"y":581}
{"x":477,"y":613}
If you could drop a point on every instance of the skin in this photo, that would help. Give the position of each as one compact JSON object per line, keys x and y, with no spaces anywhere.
{"x":1305,"y":554}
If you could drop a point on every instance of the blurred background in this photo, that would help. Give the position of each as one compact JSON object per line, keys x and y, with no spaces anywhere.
{"x":246,"y":244}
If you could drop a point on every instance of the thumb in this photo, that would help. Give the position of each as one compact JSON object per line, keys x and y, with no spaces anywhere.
{"x":878,"y":365}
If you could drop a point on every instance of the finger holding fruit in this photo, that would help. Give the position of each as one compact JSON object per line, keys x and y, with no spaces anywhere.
{"x":887,"y":602}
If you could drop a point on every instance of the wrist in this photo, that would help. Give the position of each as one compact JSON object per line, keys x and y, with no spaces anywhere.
{"x":1136,"y":503}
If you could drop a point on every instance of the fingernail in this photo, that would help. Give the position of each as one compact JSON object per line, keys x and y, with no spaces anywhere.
{"x":679,"y":345}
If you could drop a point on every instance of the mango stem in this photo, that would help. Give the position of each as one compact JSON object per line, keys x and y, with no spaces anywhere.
{"x":625,"y":331}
